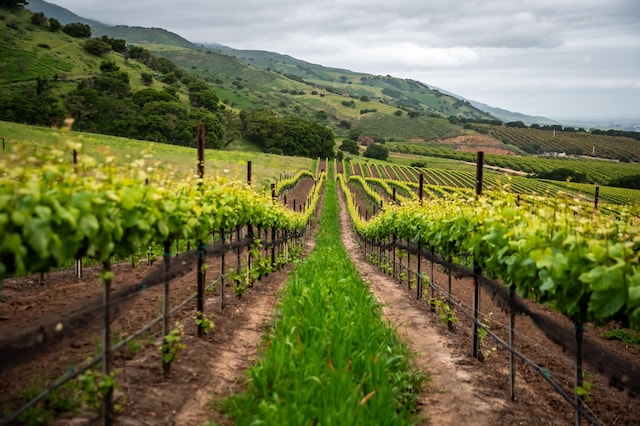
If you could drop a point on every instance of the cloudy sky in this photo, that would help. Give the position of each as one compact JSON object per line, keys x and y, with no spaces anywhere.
{"x":555,"y":58}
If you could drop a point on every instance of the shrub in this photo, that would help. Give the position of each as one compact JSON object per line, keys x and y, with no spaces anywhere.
{"x":96,"y":47}
{"x":377,"y":151}
{"x":77,"y":29}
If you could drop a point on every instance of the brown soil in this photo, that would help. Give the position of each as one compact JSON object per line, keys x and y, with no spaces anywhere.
{"x":462,"y":389}
{"x":475,"y":143}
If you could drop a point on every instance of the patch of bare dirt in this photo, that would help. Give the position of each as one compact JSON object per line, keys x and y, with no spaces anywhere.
{"x":475,"y":143}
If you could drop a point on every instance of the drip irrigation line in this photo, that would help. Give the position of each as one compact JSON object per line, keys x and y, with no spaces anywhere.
{"x":17,"y":349}
{"x":542,"y":371}
{"x":621,"y":372}
{"x":73,"y":372}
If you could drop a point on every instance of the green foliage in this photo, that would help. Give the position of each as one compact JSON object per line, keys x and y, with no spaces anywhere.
{"x":112,"y":211}
{"x":172,"y":344}
{"x":350,"y":146}
{"x":631,"y":182}
{"x":564,"y":174}
{"x":96,"y":47}
{"x":77,"y":29}
{"x":447,"y":315}
{"x":93,"y":386}
{"x":39,"y":19}
{"x":9,"y":4}
{"x":54,"y":25}
{"x":62,"y":400}
{"x":147,"y":78}
{"x":630,"y":337}
{"x":377,"y":151}
{"x":288,"y":135}
{"x":310,"y":372}
{"x":34,"y":104}
{"x":554,"y":251}
{"x":518,"y":124}
{"x":204,"y":322}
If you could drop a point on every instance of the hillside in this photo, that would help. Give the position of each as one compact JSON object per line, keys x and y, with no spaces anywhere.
{"x":51,"y":74}
{"x":401,"y":93}
{"x":65,"y":16}
{"x":352,"y":104}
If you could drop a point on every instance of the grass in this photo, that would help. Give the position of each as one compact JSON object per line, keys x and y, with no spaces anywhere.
{"x":266,"y":168}
{"x":330,"y":359}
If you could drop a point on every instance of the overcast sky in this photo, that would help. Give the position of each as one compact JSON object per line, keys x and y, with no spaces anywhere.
{"x":555,"y":58}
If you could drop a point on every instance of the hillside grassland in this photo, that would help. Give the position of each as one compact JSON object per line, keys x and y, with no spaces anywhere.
{"x":266,"y":168}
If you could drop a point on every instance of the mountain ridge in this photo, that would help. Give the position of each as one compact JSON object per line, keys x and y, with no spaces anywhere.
{"x":291,"y":67}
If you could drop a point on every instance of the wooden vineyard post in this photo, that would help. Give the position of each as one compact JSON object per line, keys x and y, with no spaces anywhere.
{"x":249,"y":173}
{"x":421,"y":188}
{"x":595,"y":198}
{"x":450,"y":260}
{"x":273,"y":248}
{"x":238,"y":257}
{"x":475,"y":343}
{"x":107,"y":403}
{"x":165,"y":304}
{"x":432,"y":287}
{"x":408,"y":266}
{"x":222,"y":269}
{"x":419,"y":274}
{"x":201,"y":246}
{"x":75,"y":167}
{"x":393,"y":252}
{"x":249,"y":257}
{"x":512,"y":326}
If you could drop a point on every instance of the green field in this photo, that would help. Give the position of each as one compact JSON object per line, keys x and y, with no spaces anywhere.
{"x":266,"y":168}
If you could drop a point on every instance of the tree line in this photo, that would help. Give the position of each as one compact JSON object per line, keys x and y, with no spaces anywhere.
{"x":105,"y":103}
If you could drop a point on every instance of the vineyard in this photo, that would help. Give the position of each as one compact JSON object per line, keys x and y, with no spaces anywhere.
{"x":58,"y":207}
{"x":601,"y":172}
{"x":458,"y":179}
{"x":558,"y":251}
{"x":583,"y":143}
{"x":167,"y":262}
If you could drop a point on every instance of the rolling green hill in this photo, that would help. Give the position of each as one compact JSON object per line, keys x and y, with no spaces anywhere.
{"x":401,"y":93}
{"x":382,"y":107}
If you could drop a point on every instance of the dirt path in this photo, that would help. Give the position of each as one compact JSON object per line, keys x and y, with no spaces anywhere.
{"x":452,"y":397}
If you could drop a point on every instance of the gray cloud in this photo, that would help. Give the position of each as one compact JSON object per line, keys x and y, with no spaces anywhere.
{"x":493,"y":51}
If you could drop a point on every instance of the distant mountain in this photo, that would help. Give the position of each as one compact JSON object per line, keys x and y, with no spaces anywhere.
{"x":508,"y":116}
{"x":63,"y":15}
{"x":98,"y":29}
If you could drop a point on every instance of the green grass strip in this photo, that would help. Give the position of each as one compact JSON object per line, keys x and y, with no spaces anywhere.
{"x":329,"y":359}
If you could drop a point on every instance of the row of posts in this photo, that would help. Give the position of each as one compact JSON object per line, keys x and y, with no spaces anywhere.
{"x":477,"y":271}
{"x":107,"y":412}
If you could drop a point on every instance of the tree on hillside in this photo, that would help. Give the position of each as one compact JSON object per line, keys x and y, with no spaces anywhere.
{"x":9,"y":4}
{"x":377,"y":151}
{"x":39,"y":18}
{"x":54,"y":25}
{"x":288,"y":136}
{"x":517,"y":124}
{"x":77,"y":29}
{"x":96,"y":47}
{"x":34,"y":104}
{"x":350,"y":146}
{"x":631,"y":181}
